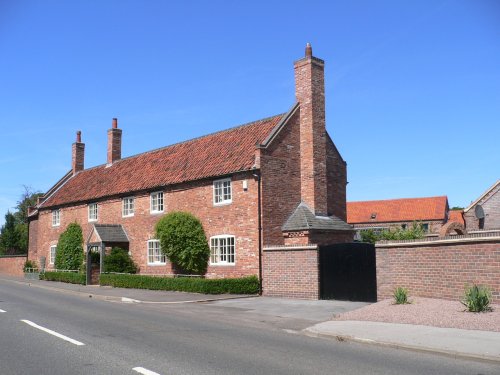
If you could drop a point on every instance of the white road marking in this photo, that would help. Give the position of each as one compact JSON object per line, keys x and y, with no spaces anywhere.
{"x":2,"y":311}
{"x":142,"y":370}
{"x":65,"y":338}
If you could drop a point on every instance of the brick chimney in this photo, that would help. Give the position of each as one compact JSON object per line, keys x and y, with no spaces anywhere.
{"x":310,"y":93}
{"x":78,"y":154}
{"x":114,"y":143}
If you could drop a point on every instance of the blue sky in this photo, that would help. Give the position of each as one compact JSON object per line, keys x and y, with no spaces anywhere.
{"x":412,"y":88}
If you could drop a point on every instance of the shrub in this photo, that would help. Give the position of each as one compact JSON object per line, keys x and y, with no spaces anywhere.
{"x":119,"y":261}
{"x":400,"y":296}
{"x":69,"y":253}
{"x":65,"y":277}
{"x":183,"y":241}
{"x":30,"y":266}
{"x":244,"y":285}
{"x":416,"y":231}
{"x":477,"y":298}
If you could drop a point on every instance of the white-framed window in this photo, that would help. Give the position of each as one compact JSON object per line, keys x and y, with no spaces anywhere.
{"x":155,"y":256}
{"x":128,"y":206}
{"x":52,"y":258}
{"x":222,"y":191}
{"x":222,"y":250}
{"x":56,"y":218}
{"x":93,"y":212}
{"x":156,"y":202}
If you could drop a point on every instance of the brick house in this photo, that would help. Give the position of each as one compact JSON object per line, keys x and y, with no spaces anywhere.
{"x":431,"y":212}
{"x":274,"y":182}
{"x":484,"y":212}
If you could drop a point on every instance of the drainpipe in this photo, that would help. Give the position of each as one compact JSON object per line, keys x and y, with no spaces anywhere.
{"x":256,"y":174}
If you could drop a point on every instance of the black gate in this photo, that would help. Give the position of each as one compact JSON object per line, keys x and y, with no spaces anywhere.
{"x":347,"y":272}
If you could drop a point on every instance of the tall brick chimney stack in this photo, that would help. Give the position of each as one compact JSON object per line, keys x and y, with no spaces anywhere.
{"x":310,"y":93}
{"x":114,"y":143}
{"x":78,"y":154}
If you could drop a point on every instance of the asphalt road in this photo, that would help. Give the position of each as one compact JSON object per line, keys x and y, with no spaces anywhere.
{"x":100,"y":337}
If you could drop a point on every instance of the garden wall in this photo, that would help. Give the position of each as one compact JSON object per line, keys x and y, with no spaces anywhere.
{"x":12,"y":265}
{"x":291,"y":272}
{"x":439,"y":268}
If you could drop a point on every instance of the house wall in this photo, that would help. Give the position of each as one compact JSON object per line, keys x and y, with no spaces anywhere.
{"x":12,"y":265}
{"x":491,"y":207}
{"x":440,"y":268}
{"x":336,"y":174}
{"x":238,"y":218}
{"x":280,"y":169}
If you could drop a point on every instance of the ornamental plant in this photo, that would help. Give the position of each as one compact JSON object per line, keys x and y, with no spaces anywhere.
{"x":69,"y":253}
{"x":477,"y":298}
{"x":183,"y":241}
{"x":401,"y":296}
{"x":119,"y":261}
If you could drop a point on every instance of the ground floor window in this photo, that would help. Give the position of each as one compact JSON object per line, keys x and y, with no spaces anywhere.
{"x":155,"y":255}
{"x":52,"y":257}
{"x":222,"y":250}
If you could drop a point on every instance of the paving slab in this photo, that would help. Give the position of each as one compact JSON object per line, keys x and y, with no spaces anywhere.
{"x":451,"y":341}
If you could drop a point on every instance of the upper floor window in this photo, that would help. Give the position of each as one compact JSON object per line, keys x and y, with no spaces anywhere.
{"x":222,"y":191}
{"x":56,"y":218}
{"x":157,"y":202}
{"x":222,"y":250}
{"x":93,"y":212}
{"x":155,"y":256}
{"x":128,"y":207}
{"x":52,"y":258}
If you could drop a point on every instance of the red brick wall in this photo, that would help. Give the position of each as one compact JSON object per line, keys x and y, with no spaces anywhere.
{"x":336,"y":173}
{"x":280,"y":169}
{"x":291,"y":272}
{"x":438,"y":270}
{"x":238,"y":218}
{"x":12,"y":265}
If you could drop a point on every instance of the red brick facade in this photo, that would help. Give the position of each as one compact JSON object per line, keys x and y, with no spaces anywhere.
{"x":440,"y":268}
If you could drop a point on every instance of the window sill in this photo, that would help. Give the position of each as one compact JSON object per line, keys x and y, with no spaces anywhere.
{"x":157,"y":264}
{"x":225,"y":203}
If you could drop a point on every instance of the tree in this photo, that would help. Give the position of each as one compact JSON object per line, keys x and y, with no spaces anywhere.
{"x":28,"y":198}
{"x":69,"y":252}
{"x":183,"y":241}
{"x":9,"y":239}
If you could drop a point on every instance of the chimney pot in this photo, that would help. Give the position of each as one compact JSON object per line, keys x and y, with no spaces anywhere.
{"x":79,"y":136}
{"x":115,"y":123}
{"x":309,"y":51}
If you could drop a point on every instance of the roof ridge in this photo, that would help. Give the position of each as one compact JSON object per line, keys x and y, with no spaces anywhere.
{"x":187,"y":141}
{"x":400,"y":199}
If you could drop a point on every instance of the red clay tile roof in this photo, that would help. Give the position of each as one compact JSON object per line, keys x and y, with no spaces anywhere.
{"x":212,"y":155}
{"x":456,"y":216}
{"x":394,"y":210}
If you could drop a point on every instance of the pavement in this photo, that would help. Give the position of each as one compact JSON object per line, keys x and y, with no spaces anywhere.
{"x":459,"y":343}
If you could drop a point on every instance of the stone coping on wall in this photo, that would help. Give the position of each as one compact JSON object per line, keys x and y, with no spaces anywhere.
{"x":14,"y":256}
{"x":290,"y":247}
{"x":485,"y":236}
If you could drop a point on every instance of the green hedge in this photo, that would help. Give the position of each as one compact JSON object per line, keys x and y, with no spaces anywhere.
{"x":244,"y":285}
{"x":65,"y":277}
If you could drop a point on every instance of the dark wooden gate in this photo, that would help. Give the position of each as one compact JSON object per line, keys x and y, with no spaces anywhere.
{"x":347,"y":272}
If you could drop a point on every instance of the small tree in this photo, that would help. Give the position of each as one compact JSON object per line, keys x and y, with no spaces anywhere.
{"x":69,"y":253}
{"x":183,"y":241}
{"x":414,"y":232}
{"x":9,"y":238}
{"x":119,"y":261}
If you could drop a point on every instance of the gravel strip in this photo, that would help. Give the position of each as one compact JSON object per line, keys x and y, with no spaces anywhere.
{"x":428,"y":312}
